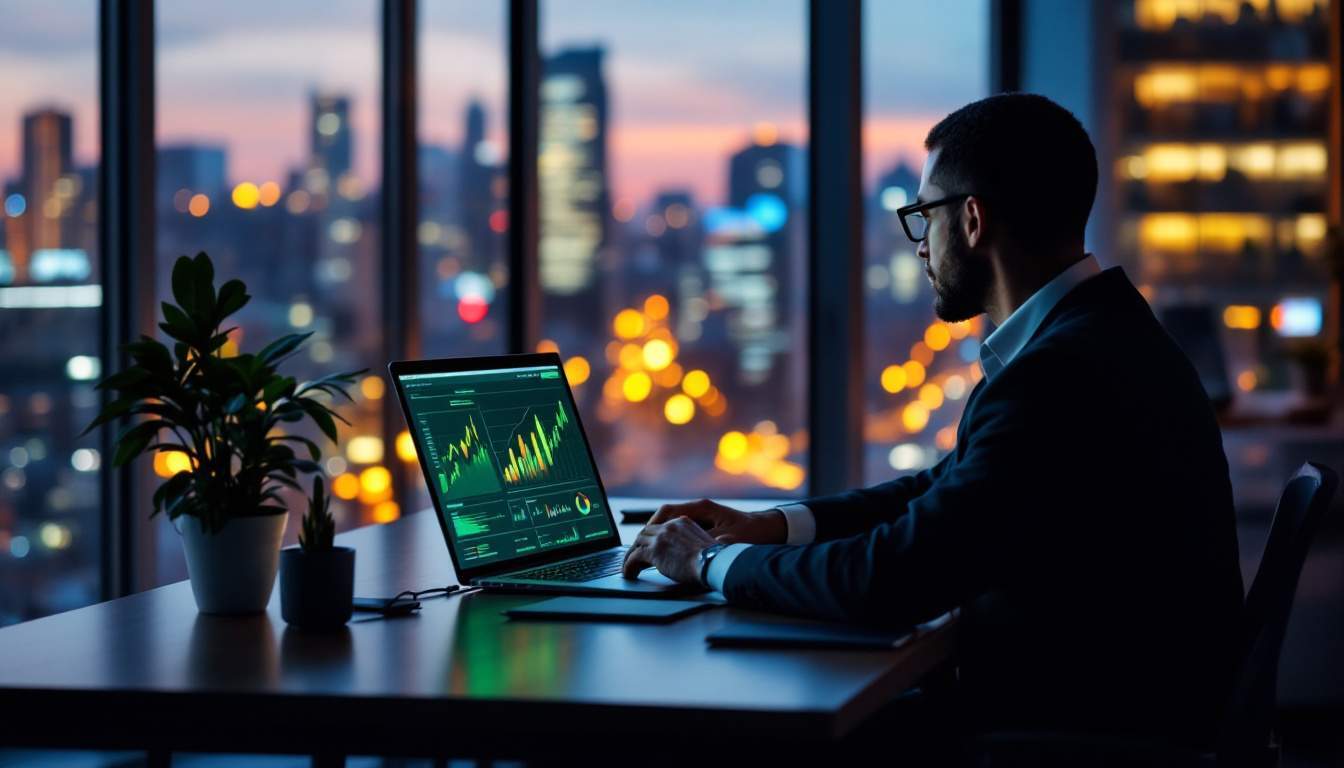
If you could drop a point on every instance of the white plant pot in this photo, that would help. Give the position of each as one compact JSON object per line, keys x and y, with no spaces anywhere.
{"x":233,"y":571}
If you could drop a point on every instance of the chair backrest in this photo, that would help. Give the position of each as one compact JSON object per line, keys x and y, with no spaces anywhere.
{"x":1250,"y":718}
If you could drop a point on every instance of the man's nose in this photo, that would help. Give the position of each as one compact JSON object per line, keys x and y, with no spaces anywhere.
{"x":922,"y":251}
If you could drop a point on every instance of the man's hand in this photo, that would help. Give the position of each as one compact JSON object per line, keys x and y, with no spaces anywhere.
{"x":676,"y":534}
{"x":728,"y":525}
{"x":673,"y":548}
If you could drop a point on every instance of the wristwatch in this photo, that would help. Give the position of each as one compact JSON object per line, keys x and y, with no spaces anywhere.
{"x":707,"y":556}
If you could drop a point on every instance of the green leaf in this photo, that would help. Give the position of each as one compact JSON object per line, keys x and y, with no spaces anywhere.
{"x":282,"y":346}
{"x":151,"y":355}
{"x":221,"y":339}
{"x":113,"y":410}
{"x":205,"y":289}
{"x":177,"y":325}
{"x":236,"y":403}
{"x":313,"y":450}
{"x":321,"y":416}
{"x":184,"y":284}
{"x":130,"y":447}
{"x":232,"y":297}
{"x":127,"y":378}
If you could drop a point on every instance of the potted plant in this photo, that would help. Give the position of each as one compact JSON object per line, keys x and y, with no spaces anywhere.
{"x":225,"y":414}
{"x":317,"y":579}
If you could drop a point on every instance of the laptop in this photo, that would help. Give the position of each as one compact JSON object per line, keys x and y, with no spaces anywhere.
{"x":515,"y":488}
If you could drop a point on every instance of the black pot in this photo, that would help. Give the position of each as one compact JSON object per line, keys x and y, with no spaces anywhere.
{"x":317,"y":588}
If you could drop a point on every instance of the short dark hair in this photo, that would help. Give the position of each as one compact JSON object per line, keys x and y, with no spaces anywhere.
{"x":1027,"y":156}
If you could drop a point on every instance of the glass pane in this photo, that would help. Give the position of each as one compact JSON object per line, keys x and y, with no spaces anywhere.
{"x":673,"y":246}
{"x":268,"y":146}
{"x":919,"y":369}
{"x":463,"y":135}
{"x":49,"y":297}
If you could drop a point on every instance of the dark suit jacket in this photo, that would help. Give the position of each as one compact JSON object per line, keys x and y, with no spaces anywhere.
{"x":1083,"y":523}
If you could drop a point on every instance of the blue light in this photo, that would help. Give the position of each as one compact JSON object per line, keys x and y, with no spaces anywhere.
{"x":15,"y":205}
{"x":1297,"y":317}
{"x":729,"y":222}
{"x":64,"y":264}
{"x":969,"y":350}
{"x":768,"y":210}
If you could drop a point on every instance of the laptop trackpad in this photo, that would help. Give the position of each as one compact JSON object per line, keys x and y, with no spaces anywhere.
{"x":650,"y":580}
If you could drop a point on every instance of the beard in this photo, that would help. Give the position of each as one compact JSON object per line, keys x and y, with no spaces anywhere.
{"x":961,"y":284}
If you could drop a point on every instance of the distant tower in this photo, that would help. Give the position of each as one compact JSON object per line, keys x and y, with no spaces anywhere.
{"x":191,"y":167}
{"x":330,"y":140}
{"x":572,"y":170}
{"x":46,"y":162}
{"x":477,"y":173}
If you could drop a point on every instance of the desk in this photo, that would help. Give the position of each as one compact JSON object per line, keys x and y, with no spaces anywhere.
{"x":148,"y":671}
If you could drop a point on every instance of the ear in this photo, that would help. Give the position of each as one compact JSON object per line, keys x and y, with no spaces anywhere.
{"x":973,"y":220}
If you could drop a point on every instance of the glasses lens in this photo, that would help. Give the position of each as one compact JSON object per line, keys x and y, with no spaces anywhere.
{"x":918,"y":225}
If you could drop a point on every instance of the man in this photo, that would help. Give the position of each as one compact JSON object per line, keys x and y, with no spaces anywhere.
{"x":1083,"y":523}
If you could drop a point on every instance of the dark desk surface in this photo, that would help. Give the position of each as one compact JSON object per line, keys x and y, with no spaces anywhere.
{"x":458,"y":678}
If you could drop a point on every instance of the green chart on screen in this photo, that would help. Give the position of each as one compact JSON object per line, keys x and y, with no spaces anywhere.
{"x":506,"y":458}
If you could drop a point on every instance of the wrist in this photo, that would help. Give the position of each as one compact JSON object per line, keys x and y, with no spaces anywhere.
{"x":774,"y":525}
{"x":705,"y":558}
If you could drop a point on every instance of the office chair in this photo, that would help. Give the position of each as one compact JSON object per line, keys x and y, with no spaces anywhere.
{"x":1246,"y":739}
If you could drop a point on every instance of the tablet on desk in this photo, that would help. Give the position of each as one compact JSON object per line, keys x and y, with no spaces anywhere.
{"x":608,"y":609}
{"x":814,"y":636}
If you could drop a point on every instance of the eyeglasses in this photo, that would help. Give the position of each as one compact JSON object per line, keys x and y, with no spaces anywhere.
{"x":916,"y":223}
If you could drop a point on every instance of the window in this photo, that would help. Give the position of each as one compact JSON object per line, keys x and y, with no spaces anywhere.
{"x":463,"y":224}
{"x":50,"y":534}
{"x":268,"y":159}
{"x":672,"y":253}
{"x":919,"y":369}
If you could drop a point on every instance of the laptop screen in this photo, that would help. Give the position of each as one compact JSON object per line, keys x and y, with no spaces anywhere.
{"x":506,"y":462}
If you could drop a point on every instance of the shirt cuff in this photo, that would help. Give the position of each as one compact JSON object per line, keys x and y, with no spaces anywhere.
{"x":801,"y":522}
{"x":718,"y":567}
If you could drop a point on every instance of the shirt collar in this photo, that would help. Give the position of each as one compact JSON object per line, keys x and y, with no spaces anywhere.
{"x":1008,"y":339}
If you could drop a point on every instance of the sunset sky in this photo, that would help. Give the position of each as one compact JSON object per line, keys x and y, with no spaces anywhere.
{"x":687,"y":80}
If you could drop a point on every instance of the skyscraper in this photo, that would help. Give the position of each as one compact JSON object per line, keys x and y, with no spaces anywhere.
{"x":331,"y":141}
{"x":572,"y":174}
{"x":192,"y":167}
{"x":478,"y":171}
{"x":47,"y":161}
{"x":753,"y":259}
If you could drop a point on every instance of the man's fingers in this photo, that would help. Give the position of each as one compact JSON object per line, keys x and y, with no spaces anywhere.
{"x":636,"y":560}
{"x":668,"y":512}
{"x":701,"y":510}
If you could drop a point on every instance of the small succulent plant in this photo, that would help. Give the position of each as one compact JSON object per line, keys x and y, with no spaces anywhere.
{"x":319,"y":527}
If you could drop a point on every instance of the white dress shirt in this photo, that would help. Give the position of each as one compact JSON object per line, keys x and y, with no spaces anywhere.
{"x":997,"y":351}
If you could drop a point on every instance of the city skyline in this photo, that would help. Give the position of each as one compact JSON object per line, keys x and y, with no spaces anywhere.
{"x":661,"y":135}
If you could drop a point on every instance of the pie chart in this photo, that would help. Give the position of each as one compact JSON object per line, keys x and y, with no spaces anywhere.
{"x":582,"y":504}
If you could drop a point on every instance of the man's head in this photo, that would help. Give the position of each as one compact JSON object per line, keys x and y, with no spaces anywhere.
{"x":1021,"y":174}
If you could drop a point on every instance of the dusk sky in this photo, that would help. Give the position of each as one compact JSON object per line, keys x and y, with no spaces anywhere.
{"x":687,"y":80}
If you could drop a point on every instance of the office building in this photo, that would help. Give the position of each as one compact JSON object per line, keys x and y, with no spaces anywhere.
{"x":45,"y":183}
{"x":330,"y":141}
{"x":187,"y":169}
{"x":1221,"y":172}
{"x":574,"y":195}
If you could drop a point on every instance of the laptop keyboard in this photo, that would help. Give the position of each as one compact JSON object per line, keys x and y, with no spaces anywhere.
{"x":595,"y":566}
